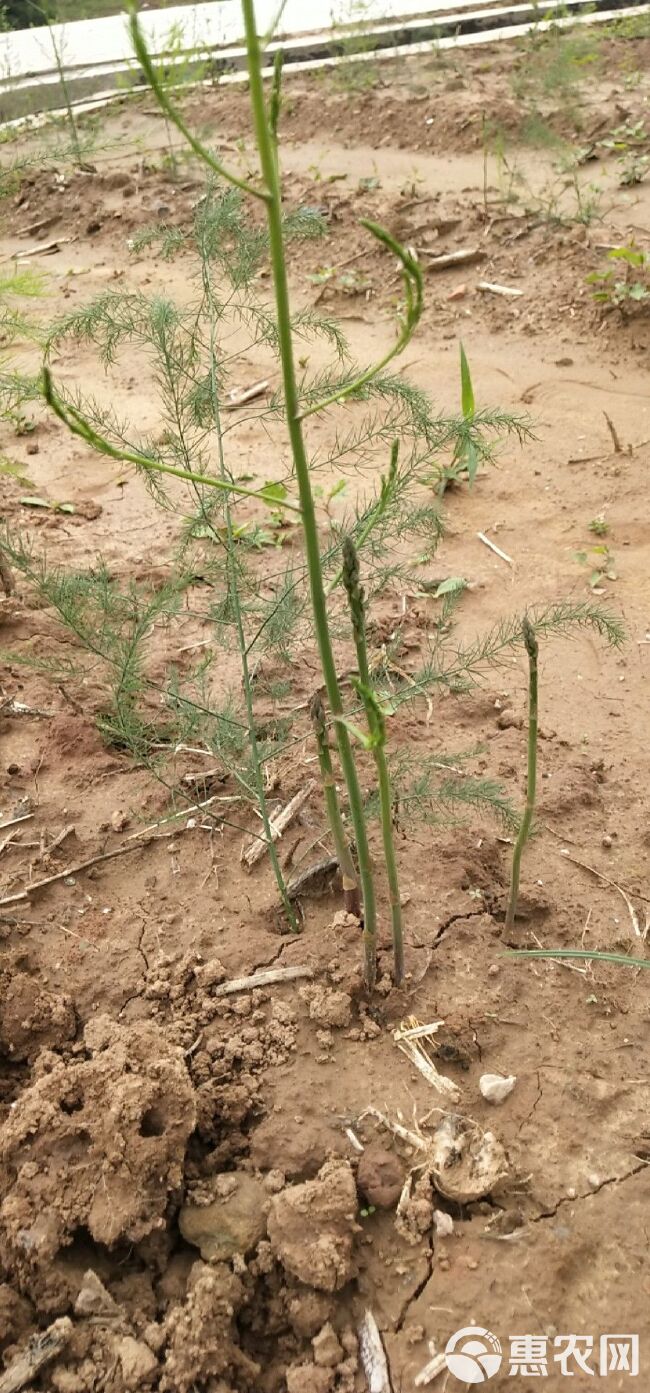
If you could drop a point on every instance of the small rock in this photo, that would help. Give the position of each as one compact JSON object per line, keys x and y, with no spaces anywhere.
{"x":308,"y":1311}
{"x":233,"y":1223}
{"x":93,"y":1299}
{"x":312,"y":1227}
{"x":93,"y":226}
{"x":442,"y":1223}
{"x":509,"y":718}
{"x":457,"y":293}
{"x":607,"y":841}
{"x":274,"y":1181}
{"x":380,"y":1176}
{"x":33,"y":448}
{"x":495,"y":1088}
{"x":154,"y":1336}
{"x":414,"y":1334}
{"x":67,"y":1381}
{"x":328,"y":1351}
{"x":139,"y":1364}
{"x":307,"y":1378}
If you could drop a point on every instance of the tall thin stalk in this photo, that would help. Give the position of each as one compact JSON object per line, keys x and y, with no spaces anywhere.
{"x":269,"y":165}
{"x":341,"y":845}
{"x":58,"y":59}
{"x":236,"y":610}
{"x":376,"y":743}
{"x":532,"y":649}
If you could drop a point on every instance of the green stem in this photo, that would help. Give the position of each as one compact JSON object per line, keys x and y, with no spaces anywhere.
{"x":386,"y":807}
{"x":268,"y":160}
{"x":377,"y":728}
{"x":235,"y":604}
{"x":341,"y":844}
{"x":532,"y":649}
{"x":413,"y":286}
{"x":174,"y":115}
{"x":78,"y":425}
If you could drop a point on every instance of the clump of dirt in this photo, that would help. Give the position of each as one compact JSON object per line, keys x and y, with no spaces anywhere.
{"x":96,"y":1142}
{"x":332,"y":1008}
{"x":380,"y":1176}
{"x":32,"y":1018}
{"x":312,"y":1227}
{"x":201,"y":1337}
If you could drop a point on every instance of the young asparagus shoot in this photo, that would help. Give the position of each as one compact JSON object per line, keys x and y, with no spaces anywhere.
{"x":376,"y":743}
{"x":532,"y":649}
{"x":342,"y":846}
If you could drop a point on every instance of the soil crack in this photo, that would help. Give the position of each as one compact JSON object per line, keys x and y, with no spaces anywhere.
{"x":417,"y":1291}
{"x":604,"y":1184}
{"x":442,"y":928}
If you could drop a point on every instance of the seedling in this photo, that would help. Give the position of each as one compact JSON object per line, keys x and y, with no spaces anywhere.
{"x":599,"y":527}
{"x":473,"y":446}
{"x":601,"y":563}
{"x":625,"y":284}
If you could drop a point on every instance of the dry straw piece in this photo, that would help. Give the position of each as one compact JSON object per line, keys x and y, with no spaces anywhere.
{"x":411,"y":1038}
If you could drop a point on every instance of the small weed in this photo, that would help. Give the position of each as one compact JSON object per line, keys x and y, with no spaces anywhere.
{"x":553,"y":68}
{"x":633,"y":170}
{"x":600,"y":561}
{"x":624,"y":284}
{"x":473,"y":445}
{"x":599,"y":527}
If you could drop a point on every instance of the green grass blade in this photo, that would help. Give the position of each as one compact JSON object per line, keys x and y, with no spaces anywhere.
{"x":468,"y":405}
{"x":622,"y":958}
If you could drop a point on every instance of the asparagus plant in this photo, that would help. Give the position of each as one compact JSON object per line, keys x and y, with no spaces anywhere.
{"x":267,"y":189}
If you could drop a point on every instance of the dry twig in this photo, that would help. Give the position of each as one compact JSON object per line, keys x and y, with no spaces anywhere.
{"x":38,"y":1351}
{"x":373,"y":1355}
{"x":493,"y":547}
{"x":29,"y":890}
{"x":263,"y":979}
{"x":278,"y":825}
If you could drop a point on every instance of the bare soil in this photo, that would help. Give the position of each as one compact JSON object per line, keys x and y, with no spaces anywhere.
{"x":175,"y":1170}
